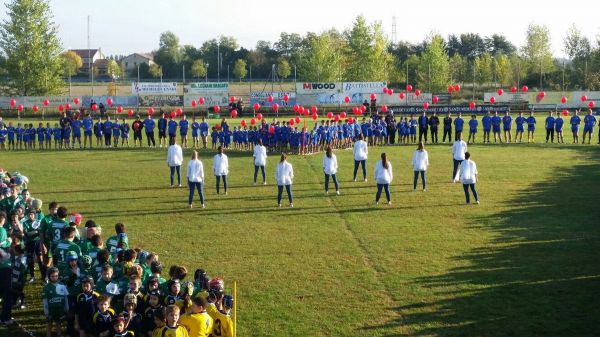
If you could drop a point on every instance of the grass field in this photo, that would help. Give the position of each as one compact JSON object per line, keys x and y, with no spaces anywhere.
{"x":524,"y":262}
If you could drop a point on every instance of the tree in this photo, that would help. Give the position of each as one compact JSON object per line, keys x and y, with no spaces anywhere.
{"x":240,"y":69}
{"x":499,"y":44}
{"x":434,"y":66}
{"x":358,"y":50}
{"x":30,"y":49}
{"x":503,"y":76}
{"x":320,"y":61}
{"x":458,"y":69}
{"x":283,"y":68}
{"x":155,"y":71}
{"x":536,"y":52}
{"x":518,"y":70}
{"x":199,"y":68}
{"x":381,"y":60}
{"x":71,"y":63}
{"x":113,"y":69}
{"x":484,"y":68}
{"x":169,"y":55}
{"x":576,"y":45}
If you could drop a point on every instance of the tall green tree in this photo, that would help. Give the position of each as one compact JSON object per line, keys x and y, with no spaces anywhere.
{"x":537,"y":52}
{"x":30,"y":49}
{"x":198,"y":68}
{"x":434,"y":66}
{"x":283,"y":68}
{"x":320,"y":60}
{"x":113,"y":69}
{"x":169,"y":55}
{"x":358,"y":50}
{"x":503,"y":70}
{"x":71,"y":62}
{"x":484,"y":68}
{"x":240,"y":69}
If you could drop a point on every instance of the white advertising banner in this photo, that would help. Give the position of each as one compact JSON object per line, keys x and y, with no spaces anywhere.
{"x":507,"y":97}
{"x":206,"y":88}
{"x":153,"y":88}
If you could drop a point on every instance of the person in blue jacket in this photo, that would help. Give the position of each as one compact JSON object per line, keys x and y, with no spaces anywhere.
{"x":487,"y":126}
{"x":107,"y":131}
{"x":519,"y":122}
{"x":184,"y":125}
{"x":162,"y":131}
{"x":149,"y":127}
{"x":11,"y":136}
{"x":48,"y":137}
{"x":589,"y":121}
{"x":413,"y":129}
{"x":41,"y":134}
{"x":496,"y":121}
{"x":458,"y":127}
{"x":473,"y":123}
{"x":506,"y":126}
{"x":66,"y":135}
{"x":124,"y":132}
{"x":204,"y":131}
{"x":116,"y":130}
{"x":530,"y":127}
{"x":98,"y":131}
{"x":172,"y":129}
{"x":88,"y":124}
{"x":423,"y":125}
{"x":76,"y":126}
{"x":195,"y":133}
{"x":57,"y":132}
{"x":550,"y":122}
{"x":558,"y":126}
{"x":575,"y":121}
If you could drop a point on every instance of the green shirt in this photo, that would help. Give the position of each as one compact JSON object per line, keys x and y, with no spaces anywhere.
{"x":113,"y":243}
{"x":54,"y":230}
{"x":4,"y":244}
{"x":62,"y":248}
{"x":56,"y":296}
{"x":32,"y":230}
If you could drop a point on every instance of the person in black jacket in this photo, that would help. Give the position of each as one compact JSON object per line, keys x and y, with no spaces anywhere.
{"x":137,"y":127}
{"x":447,"y":128}
{"x":423,"y":124}
{"x":434,"y":121}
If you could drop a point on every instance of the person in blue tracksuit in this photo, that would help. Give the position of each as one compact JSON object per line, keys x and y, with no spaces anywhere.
{"x":57,"y":133}
{"x":558,"y":126}
{"x":162,"y":131}
{"x":48,"y":137}
{"x":124,"y":132}
{"x":172,"y":129}
{"x":458,"y":127}
{"x":149,"y":126}
{"x":530,"y":127}
{"x":204,"y":132}
{"x":41,"y":134}
{"x":496,"y":121}
{"x":107,"y":132}
{"x":116,"y":131}
{"x":184,"y":125}
{"x":486,"y":121}
{"x":575,"y":121}
{"x":589,"y":121}
{"x":88,"y":124}
{"x":195,"y":133}
{"x":473,"y":123}
{"x":550,"y":122}
{"x":76,"y":126}
{"x":11,"y":131}
{"x":519,"y":122}
{"x":98,"y":131}
{"x":506,"y":126}
{"x":66,"y":135}
{"x":423,"y":125}
{"x":413,"y":129}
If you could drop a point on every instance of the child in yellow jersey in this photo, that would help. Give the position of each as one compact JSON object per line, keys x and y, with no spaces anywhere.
{"x":172,"y":328}
{"x":198,"y":322}
{"x":160,"y":319}
{"x":222,"y":322}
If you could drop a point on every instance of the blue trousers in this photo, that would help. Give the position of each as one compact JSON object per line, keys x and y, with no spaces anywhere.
{"x":423,"y":179}
{"x":466,"y":188}
{"x":173,"y":169}
{"x":224,"y":183}
{"x":288,"y":189}
{"x":385,"y":187}
{"x":196,"y":186}
{"x":363,"y":163}
{"x":262,"y":169}
{"x":335,"y":181}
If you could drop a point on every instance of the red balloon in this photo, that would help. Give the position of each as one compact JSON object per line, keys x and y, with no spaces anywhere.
{"x":314,"y":109}
{"x":347,"y":99}
{"x":343,"y":114}
{"x":46,"y":102}
{"x":270,"y":99}
{"x":401,"y":95}
{"x":355,"y":110}
{"x":179,"y":111}
{"x":425,"y":106}
{"x":385,"y":90}
{"x":330,"y":115}
{"x":297,"y":120}
{"x":76,"y":100}
{"x":513,"y":89}
{"x":384,"y":108}
{"x":336,"y":118}
{"x":591,"y":104}
{"x":563,"y":100}
{"x":94,"y":107}
{"x":417,"y":92}
{"x":130,"y":113}
{"x":252,"y":121}
{"x":232,"y":99}
{"x":271,"y":129}
{"x":450,"y":89}
{"x":218,"y":126}
{"x":472,"y":105}
{"x":61,"y":108}
{"x":233,"y":113}
{"x":435,"y":100}
{"x":500,"y":91}
{"x":20,"y":107}
{"x":173,"y":114}
{"x":275,"y":106}
{"x":109,"y":101}
{"x":291,"y":121}
{"x":119,"y":109}
{"x":286,"y":98}
{"x":524,"y":88}
{"x":217,"y":108}
{"x":243,"y":122}
{"x":259,"y":116}
{"x":150,"y":110}
{"x":409,"y":88}
{"x":67,"y":106}
{"x":256,"y":106}
{"x":201,"y":100}
{"x":363,"y":108}
{"x":565,"y":112}
{"x":457,"y":87}
{"x":542,"y":94}
{"x":390,"y":92}
{"x":373,"y":96}
{"x":350,"y":120}
{"x":583,"y":98}
{"x":492,"y":99}
{"x":12,"y":102}
{"x":193,"y":103}
{"x":35,"y":108}
{"x":314,"y":117}
{"x":296,"y":108}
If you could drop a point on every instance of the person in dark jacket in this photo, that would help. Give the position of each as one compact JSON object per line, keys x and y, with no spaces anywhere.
{"x":434,"y":121}
{"x":447,"y":128}
{"x":423,"y":124}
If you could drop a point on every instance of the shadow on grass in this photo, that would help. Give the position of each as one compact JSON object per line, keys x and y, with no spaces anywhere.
{"x":539,"y":276}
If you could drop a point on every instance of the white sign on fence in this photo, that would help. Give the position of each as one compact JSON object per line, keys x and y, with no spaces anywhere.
{"x":152,"y":88}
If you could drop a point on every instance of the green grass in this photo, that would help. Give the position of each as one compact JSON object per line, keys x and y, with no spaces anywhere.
{"x":524,"y":262}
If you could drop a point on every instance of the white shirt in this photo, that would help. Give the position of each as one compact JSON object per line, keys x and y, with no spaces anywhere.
{"x":467,"y":172}
{"x":195,"y":171}
{"x":420,"y":160}
{"x":174,"y":155}
{"x":458,"y":150}
{"x":284,"y":173}
{"x":330,"y":165}
{"x":361,"y":151}
{"x":383,"y":175}
{"x":221,"y":164}
{"x":260,"y":155}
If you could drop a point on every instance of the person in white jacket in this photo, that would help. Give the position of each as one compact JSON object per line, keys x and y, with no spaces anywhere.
{"x":468,"y":177}
{"x":221,"y":169}
{"x":284,"y":174}
{"x":174,"y":160}
{"x":361,"y":152}
{"x":260,"y":160}
{"x":459,"y":148}
{"x":195,"y":177}
{"x":330,"y":167}
{"x":383,"y":178}
{"x":420,"y":162}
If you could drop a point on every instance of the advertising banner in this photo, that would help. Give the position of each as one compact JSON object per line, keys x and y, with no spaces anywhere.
{"x":160,"y":100}
{"x":124,"y":101}
{"x":206,"y":88}
{"x":262,"y":98}
{"x":29,"y":101}
{"x":154,"y":88}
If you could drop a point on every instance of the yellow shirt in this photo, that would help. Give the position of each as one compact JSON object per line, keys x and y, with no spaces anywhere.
{"x":178,"y":331}
{"x":222,"y":323}
{"x":197,"y":325}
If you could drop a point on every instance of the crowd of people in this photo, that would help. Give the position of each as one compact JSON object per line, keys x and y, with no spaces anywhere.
{"x":377,"y":129}
{"x":96,"y":284}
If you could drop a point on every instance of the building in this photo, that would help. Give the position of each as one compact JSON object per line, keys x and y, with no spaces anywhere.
{"x":132,"y":61}
{"x":88,"y":56}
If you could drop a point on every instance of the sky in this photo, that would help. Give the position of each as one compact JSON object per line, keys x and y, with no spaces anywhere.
{"x":128,"y":26}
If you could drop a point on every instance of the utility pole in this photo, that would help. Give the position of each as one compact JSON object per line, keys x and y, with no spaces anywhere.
{"x":218,"y":61}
